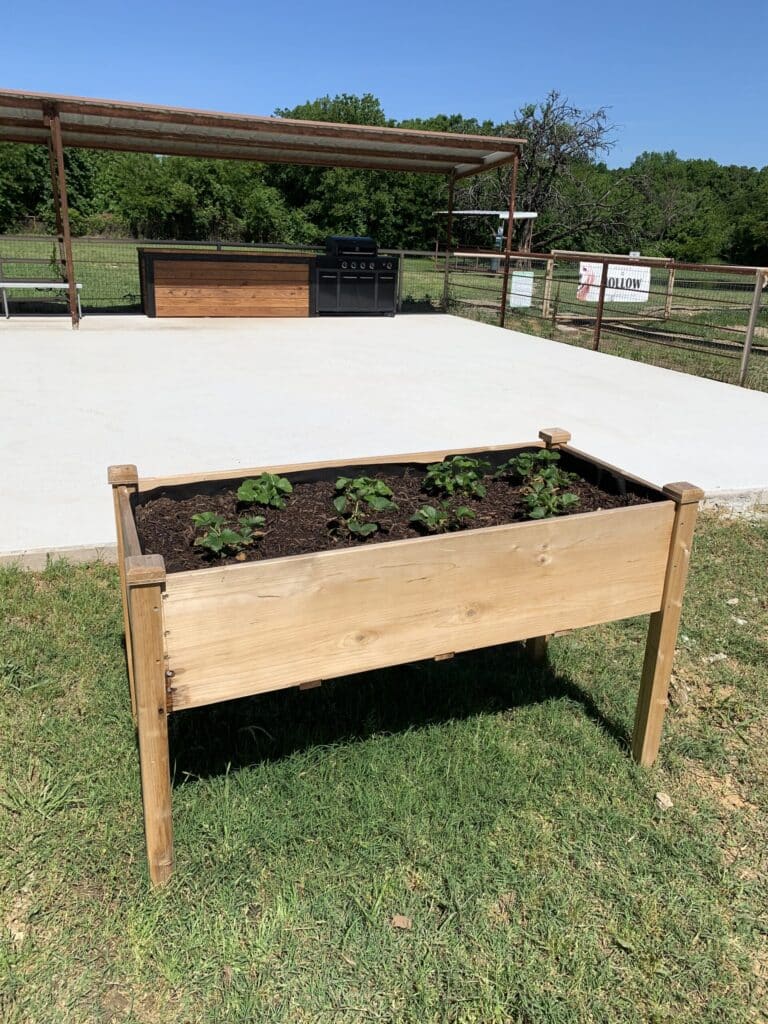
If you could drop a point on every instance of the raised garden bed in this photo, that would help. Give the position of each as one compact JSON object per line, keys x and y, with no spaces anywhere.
{"x":262,"y":597}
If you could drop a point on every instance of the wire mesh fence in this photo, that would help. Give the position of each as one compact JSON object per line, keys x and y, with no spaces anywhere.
{"x":107,"y":269}
{"x":688,"y":318}
{"x":693,"y":319}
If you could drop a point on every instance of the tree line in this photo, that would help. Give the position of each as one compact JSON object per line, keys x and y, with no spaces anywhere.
{"x":691,"y":210}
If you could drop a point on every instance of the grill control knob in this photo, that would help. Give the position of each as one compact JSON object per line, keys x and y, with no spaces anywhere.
{"x":354,"y":265}
{"x":343,"y":264}
{"x":389,"y":266}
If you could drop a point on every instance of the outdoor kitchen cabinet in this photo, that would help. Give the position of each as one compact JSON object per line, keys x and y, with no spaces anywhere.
{"x":231,"y":284}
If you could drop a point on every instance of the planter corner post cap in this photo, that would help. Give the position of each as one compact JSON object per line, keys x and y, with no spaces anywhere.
{"x":683,"y":493}
{"x":554,"y":436}
{"x":122,"y":475}
{"x":144,"y":569}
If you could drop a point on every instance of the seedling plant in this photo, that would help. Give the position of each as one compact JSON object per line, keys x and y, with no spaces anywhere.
{"x":441,"y":518}
{"x":360,"y":500}
{"x":544,"y":483}
{"x":215,"y":536}
{"x":458,"y":474}
{"x":267,"y":489}
{"x":357,"y":502}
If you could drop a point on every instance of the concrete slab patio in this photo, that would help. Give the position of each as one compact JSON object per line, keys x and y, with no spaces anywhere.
{"x":186,"y":395}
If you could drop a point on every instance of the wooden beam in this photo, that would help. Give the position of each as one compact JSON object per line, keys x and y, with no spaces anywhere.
{"x":59,"y":184}
{"x":179,"y":116}
{"x":663,"y":627}
{"x":157,"y":137}
{"x":508,"y":240}
{"x":448,"y":239}
{"x":145,"y":576}
{"x":124,"y":481}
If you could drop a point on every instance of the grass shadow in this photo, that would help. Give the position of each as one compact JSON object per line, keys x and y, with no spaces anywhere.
{"x":225,"y":737}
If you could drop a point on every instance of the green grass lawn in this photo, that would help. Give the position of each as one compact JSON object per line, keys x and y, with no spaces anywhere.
{"x":492,"y":803}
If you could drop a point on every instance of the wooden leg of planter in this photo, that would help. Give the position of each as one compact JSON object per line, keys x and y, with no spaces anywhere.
{"x":537,"y":648}
{"x":662,"y":631}
{"x":124,"y":477}
{"x":145,"y":575}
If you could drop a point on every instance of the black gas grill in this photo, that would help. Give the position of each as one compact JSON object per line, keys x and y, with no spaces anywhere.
{"x":352,"y":278}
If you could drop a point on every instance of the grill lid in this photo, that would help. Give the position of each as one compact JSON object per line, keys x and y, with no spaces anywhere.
{"x":350,"y":245}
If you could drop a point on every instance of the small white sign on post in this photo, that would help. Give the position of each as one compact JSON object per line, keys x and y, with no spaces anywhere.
{"x":521,"y":289}
{"x":623,"y":284}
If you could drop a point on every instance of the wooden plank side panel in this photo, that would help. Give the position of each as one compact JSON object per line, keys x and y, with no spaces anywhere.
{"x":212,"y":308}
{"x":202,"y":273}
{"x":148,"y":483}
{"x":228,"y":288}
{"x":262,"y":626}
{"x":285,"y":294}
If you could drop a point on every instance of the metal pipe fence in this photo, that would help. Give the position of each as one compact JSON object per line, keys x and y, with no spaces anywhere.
{"x":707,"y":320}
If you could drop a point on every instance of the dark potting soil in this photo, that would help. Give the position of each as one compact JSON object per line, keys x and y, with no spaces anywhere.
{"x":308,"y":523}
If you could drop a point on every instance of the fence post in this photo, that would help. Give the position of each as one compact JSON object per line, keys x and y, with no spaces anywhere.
{"x":600,"y":305}
{"x":555,"y":308}
{"x":504,"y":291}
{"x":546,"y":302}
{"x":400,"y":268}
{"x":761,"y":279}
{"x":445,"y":280}
{"x":670,"y":289}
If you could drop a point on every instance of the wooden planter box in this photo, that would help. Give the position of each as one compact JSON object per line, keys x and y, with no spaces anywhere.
{"x":198,"y":637}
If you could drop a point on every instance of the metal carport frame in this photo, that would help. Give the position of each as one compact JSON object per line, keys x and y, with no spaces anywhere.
{"x":60,"y":121}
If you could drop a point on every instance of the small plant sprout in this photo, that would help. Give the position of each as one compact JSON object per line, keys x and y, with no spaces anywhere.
{"x":267,"y":489}
{"x":441,"y":518}
{"x":218,"y":538}
{"x":540,"y":465}
{"x":543,"y":500}
{"x":460,"y":473}
{"x":358,"y":499}
{"x":544,"y":483}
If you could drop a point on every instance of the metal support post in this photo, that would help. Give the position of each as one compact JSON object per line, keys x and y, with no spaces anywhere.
{"x":761,"y":281}
{"x":508,"y":240}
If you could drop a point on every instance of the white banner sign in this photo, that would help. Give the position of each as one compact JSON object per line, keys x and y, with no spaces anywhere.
{"x":623,"y":284}
{"x":521,"y":288}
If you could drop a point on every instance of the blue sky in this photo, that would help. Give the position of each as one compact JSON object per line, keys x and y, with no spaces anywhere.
{"x":676,"y":75}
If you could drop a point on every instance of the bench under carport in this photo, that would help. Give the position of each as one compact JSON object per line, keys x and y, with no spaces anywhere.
{"x":5,"y":286}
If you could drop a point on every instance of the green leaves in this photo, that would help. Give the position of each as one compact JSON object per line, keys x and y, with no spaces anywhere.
{"x":359,"y":497}
{"x":205,"y":519}
{"x":460,"y":473}
{"x":219,"y":539}
{"x":442,"y":518}
{"x":544,"y":482}
{"x":267,"y":489}
{"x":435,"y":520}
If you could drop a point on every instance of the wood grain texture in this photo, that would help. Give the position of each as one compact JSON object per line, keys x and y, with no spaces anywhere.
{"x":128,"y":537}
{"x":239,"y":293}
{"x":127,"y":544}
{"x":146,"y":612}
{"x":227,"y":288}
{"x":265,"y":625}
{"x":144,"y":569}
{"x":554,"y":436}
{"x":662,"y":636}
{"x":149,"y":483}
{"x":123,"y":474}
{"x":200,"y":273}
